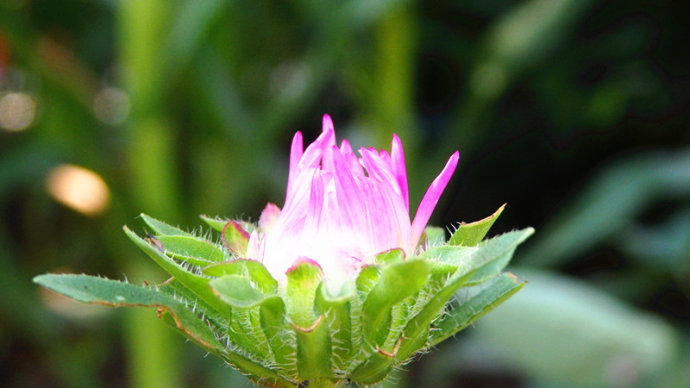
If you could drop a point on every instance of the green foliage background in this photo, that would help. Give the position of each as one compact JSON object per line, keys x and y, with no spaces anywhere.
{"x":574,"y":112}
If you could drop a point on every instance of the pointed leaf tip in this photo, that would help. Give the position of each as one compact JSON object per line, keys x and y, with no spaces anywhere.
{"x":471,"y":234}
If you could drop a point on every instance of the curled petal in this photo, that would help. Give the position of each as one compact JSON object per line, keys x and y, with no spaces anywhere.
{"x":426,"y":207}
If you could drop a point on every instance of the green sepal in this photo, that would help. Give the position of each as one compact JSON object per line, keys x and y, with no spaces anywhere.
{"x":397,"y":282}
{"x":336,"y":307}
{"x":390,"y":256}
{"x":91,"y":289}
{"x":191,"y":249}
{"x":195,"y":283}
{"x":237,"y":291}
{"x":253,"y":269}
{"x":303,"y":278}
{"x":314,"y":350}
{"x":367,"y":278}
{"x":374,"y":369}
{"x":505,"y":286}
{"x":281,"y":341}
{"x":473,"y":233}
{"x":313,"y":341}
{"x":235,"y":238}
{"x":160,"y":228}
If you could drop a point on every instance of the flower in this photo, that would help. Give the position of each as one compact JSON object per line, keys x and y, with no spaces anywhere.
{"x":341,"y":210}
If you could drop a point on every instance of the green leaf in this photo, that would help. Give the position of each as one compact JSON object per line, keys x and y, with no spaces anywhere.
{"x":491,"y":251}
{"x":462,"y":316}
{"x":195,"y":283}
{"x":472,"y":234}
{"x":189,"y":248}
{"x":397,"y":282}
{"x":490,"y":270}
{"x":90,"y":289}
{"x":160,"y":228}
{"x":216,"y":223}
{"x":480,"y":257}
{"x":434,"y":236}
{"x":444,"y":260}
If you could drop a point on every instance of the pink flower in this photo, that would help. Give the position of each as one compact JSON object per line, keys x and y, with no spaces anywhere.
{"x":340,"y":210}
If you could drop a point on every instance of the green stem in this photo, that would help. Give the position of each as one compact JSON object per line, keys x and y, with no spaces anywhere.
{"x":152,"y":348}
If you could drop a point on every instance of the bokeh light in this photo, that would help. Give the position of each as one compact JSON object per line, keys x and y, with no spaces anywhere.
{"x":17,"y":111}
{"x":111,"y":105}
{"x":78,"y":188}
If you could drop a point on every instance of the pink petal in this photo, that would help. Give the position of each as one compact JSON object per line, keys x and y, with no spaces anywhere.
{"x":269,"y":217}
{"x":296,"y":152}
{"x":348,"y":193}
{"x":379,"y":170}
{"x":426,"y":207}
{"x":315,"y":206}
{"x":398,"y":165}
{"x":351,"y":159}
{"x":327,"y":123}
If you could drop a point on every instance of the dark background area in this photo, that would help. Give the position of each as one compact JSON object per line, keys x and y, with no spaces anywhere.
{"x":574,"y":112}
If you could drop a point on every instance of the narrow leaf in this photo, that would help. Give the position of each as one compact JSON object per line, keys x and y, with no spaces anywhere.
{"x":462,"y":316}
{"x":161,"y":228}
{"x":195,"y":283}
{"x":215,"y":223}
{"x":491,"y":251}
{"x":91,"y":289}
{"x":189,"y":247}
{"x":434,"y":236}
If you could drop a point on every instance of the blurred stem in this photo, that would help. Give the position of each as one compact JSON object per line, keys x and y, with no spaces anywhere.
{"x":152,"y":351}
{"x":391,"y":105}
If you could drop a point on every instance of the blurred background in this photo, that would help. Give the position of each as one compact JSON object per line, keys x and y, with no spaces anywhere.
{"x":574,"y":112}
